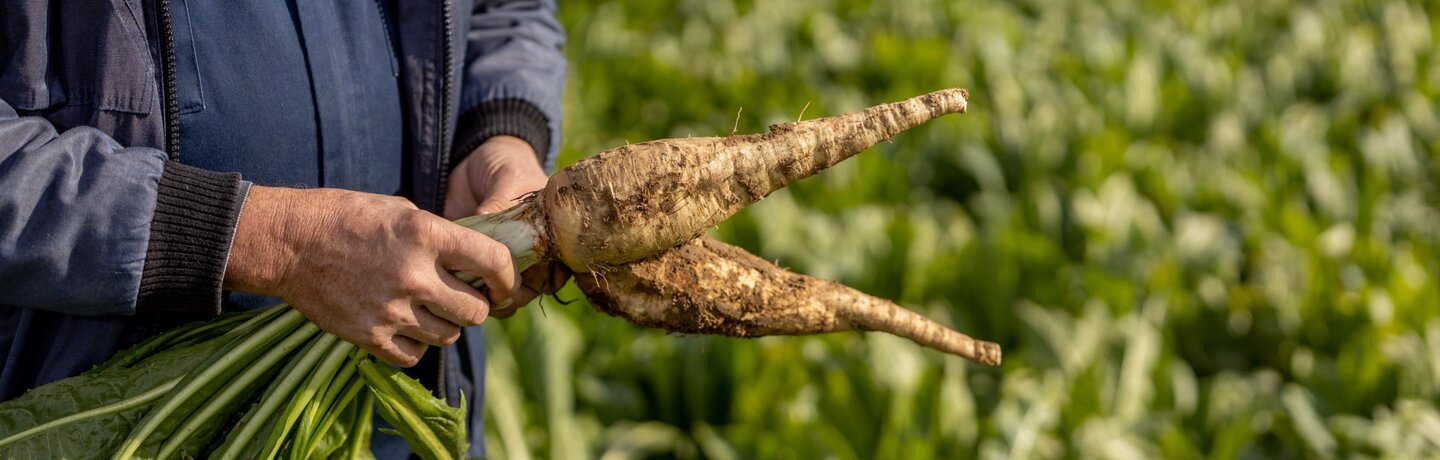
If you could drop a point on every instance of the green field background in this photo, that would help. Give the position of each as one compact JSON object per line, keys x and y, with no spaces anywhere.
{"x":1199,"y":229}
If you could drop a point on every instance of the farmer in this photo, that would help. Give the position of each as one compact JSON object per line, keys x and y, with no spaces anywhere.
{"x":158,"y":158}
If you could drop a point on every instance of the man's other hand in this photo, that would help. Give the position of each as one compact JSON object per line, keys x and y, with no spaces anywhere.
{"x":369,"y":268}
{"x":492,"y":179}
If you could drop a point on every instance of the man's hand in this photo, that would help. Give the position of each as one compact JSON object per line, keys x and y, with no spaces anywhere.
{"x":492,"y":179}
{"x":371,"y":269}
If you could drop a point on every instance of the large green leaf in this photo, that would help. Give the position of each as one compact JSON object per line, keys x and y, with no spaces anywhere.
{"x":434,"y":430}
{"x":103,"y":405}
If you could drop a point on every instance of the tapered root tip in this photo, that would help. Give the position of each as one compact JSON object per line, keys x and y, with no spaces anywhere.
{"x":964,"y":346}
{"x":987,"y":353}
{"x":951,"y":100}
{"x":866,"y":312}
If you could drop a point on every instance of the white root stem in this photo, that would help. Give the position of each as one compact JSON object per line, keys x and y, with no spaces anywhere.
{"x":519,"y":228}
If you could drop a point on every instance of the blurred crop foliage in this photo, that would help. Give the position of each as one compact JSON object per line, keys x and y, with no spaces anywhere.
{"x":1199,"y":230}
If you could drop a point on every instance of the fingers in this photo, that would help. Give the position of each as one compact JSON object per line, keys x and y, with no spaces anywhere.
{"x":546,"y":278}
{"x":522,"y":299}
{"x":409,"y":330}
{"x":429,"y":328}
{"x":507,"y":194}
{"x":471,"y":252}
{"x":457,"y":302}
{"x":401,"y":332}
{"x":493,"y":177}
{"x":398,"y":350}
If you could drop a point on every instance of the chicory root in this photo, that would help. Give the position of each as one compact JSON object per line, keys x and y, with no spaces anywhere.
{"x":633,"y":201}
{"x":709,"y":287}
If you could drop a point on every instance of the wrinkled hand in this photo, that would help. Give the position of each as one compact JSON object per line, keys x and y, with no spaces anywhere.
{"x":492,"y":179}
{"x":371,"y":269}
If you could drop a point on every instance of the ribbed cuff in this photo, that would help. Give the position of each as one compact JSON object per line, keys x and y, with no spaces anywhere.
{"x":514,"y":117}
{"x":196,"y":212}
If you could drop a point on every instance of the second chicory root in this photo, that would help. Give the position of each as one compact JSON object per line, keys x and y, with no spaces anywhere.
{"x":709,"y":287}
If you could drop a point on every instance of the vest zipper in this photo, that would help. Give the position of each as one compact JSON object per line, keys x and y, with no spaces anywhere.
{"x":447,"y":91}
{"x":172,"y":102}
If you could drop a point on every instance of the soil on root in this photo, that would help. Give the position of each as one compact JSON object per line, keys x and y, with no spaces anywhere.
{"x":707,"y":287}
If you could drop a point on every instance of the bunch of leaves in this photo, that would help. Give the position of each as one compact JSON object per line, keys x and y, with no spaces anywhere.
{"x":260,"y":384}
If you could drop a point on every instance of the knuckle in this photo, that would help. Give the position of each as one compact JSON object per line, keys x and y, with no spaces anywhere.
{"x":499,"y":255}
{"x":464,"y":313}
{"x":491,"y":255}
{"x":393,"y":314}
{"x":416,"y":225}
{"x":476,"y":312}
{"x":411,"y":283}
{"x":468,"y":316}
{"x":388,"y":201}
{"x":400,"y":201}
